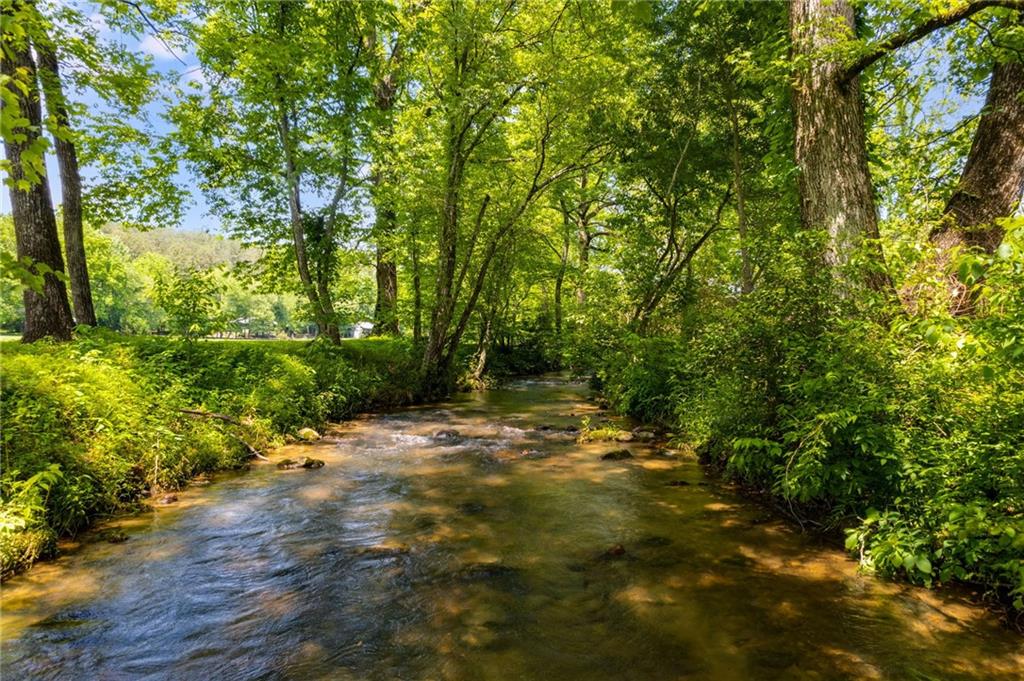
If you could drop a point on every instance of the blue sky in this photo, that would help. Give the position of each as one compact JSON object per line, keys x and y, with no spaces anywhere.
{"x":183,"y":65}
{"x":171,"y":62}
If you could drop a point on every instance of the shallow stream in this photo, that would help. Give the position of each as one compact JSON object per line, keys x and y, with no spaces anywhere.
{"x":501,"y":551}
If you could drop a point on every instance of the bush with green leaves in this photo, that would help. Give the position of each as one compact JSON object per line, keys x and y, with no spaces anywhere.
{"x":92,"y":426}
{"x":904,"y":430}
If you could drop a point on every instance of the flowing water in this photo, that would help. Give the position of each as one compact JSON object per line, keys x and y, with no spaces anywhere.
{"x":502,"y":552}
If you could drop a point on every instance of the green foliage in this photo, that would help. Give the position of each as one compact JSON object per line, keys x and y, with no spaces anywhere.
{"x":910,"y":435}
{"x":190,"y":299}
{"x":92,"y":426}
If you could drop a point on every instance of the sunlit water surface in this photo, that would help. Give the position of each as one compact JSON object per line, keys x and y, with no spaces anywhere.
{"x":412,"y":556}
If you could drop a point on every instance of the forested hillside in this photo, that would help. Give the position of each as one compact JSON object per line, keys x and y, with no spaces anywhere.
{"x":787,"y":233}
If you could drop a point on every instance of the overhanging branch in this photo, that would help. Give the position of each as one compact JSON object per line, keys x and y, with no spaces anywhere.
{"x":941,"y":20}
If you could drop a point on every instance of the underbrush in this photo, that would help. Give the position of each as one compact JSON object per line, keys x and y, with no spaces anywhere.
{"x":906,"y":434}
{"x":91,"y":427}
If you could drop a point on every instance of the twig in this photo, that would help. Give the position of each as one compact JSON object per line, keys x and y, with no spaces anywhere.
{"x":211,"y":415}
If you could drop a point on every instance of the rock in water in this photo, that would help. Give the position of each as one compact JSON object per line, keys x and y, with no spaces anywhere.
{"x":301,"y":462}
{"x":308,"y":434}
{"x":643,"y":435}
{"x":624,"y":437}
{"x":617,"y":455}
{"x":447,"y":434}
{"x":114,"y":536}
{"x":678,"y":483}
{"x":655,"y":541}
{"x":614,"y":551}
{"x":472,"y":508}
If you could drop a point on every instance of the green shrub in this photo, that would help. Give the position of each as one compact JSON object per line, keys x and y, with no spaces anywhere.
{"x":92,"y":426}
{"x":908,"y":434}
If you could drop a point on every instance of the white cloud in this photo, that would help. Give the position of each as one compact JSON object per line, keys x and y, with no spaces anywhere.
{"x":156,"y":47}
{"x":99,"y":22}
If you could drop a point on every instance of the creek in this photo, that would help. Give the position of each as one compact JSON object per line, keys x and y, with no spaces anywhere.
{"x":476,"y":539}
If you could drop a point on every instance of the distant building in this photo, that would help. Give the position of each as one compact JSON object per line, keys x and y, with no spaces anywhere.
{"x":362,"y":329}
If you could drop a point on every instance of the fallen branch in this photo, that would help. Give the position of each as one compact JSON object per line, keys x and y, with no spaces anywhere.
{"x":252,"y":450}
{"x":211,"y":415}
{"x":227,"y":419}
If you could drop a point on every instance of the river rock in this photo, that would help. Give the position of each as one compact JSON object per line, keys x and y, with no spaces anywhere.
{"x":472,"y":508}
{"x":307,"y":434}
{"x":383,"y":551}
{"x":114,"y":536}
{"x":643,"y":436}
{"x":167,"y":499}
{"x":613,"y":551}
{"x":533,"y":454}
{"x":617,"y":455}
{"x":655,"y":541}
{"x":447,"y":434}
{"x":624,"y":437}
{"x":677,"y":483}
{"x":488,"y":571}
{"x":302,"y":462}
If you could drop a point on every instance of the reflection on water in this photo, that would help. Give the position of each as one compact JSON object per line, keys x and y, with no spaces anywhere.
{"x":500,"y":552}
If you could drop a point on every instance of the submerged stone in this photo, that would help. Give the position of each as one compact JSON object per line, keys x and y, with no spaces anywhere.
{"x":302,"y":462}
{"x":496,"y":575}
{"x":447,"y":434}
{"x":383,"y":551}
{"x":655,"y":541}
{"x":617,"y":455}
{"x":677,"y":483}
{"x":614,"y":551}
{"x":63,"y":620}
{"x":114,"y":536}
{"x":472,"y":508}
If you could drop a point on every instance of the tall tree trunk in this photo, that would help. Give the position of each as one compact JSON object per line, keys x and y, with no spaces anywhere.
{"x":435,"y":364}
{"x":992,"y":180}
{"x":417,"y":291}
{"x":836,"y":193}
{"x":584,"y":239}
{"x":71,"y":187}
{"x":993,"y":176}
{"x":318,"y":295}
{"x":324,"y":317}
{"x":385,"y":311}
{"x":47,"y":312}
{"x":559,"y":280}
{"x":746,"y":269}
{"x":483,"y":345}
